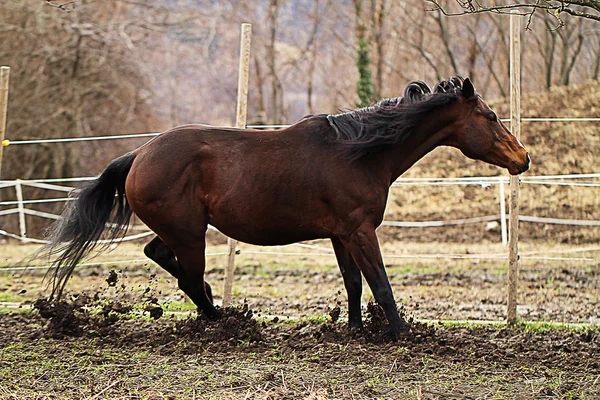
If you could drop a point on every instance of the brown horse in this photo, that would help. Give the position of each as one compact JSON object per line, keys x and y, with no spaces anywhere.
{"x":327,"y":176}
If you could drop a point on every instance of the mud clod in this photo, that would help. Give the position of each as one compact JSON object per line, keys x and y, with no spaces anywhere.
{"x":235,"y":325}
{"x":65,"y":319}
{"x":376,"y":327}
{"x":155,"y":311}
{"x":334,"y":314}
{"x":112,"y":278}
{"x":116,"y":307}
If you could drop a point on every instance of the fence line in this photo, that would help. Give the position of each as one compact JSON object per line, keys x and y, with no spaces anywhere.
{"x":25,"y":239}
{"x":466,"y":180}
{"x":493,"y":256}
{"x":8,"y":142}
{"x":486,"y":181}
{"x":38,"y":201}
{"x":89,"y":264}
{"x":400,"y":224}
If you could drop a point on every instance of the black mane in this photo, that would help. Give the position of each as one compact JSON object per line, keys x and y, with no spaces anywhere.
{"x":391,"y":121}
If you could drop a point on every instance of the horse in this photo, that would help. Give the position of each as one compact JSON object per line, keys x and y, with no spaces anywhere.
{"x":326,"y":176}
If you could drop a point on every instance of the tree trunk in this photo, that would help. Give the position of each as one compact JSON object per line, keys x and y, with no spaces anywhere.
{"x":276,"y":87}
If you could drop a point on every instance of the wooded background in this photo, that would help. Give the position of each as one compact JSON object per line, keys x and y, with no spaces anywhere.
{"x":91,"y":67}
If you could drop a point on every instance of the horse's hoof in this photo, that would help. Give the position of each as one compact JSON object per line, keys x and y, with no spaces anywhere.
{"x":355,"y":330}
{"x":213,"y":315}
{"x":398,"y":334}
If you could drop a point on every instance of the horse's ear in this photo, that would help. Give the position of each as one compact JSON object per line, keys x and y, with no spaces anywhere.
{"x":468,"y":89}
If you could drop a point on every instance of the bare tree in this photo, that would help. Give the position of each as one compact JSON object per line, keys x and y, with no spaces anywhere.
{"x":445,"y":36}
{"x":586,"y":9}
{"x":311,"y":50}
{"x":76,"y":76}
{"x":572,"y":42}
{"x":276,"y":86}
{"x":595,"y":69}
{"x":547,"y":48}
{"x":415,"y":38}
{"x":379,"y":11}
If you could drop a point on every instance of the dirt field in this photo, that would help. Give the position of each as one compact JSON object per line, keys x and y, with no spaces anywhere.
{"x":281,"y":341}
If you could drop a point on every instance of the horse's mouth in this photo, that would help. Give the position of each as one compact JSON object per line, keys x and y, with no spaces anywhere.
{"x":519,"y":168}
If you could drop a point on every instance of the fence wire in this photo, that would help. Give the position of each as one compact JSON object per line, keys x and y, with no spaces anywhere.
{"x":8,"y":142}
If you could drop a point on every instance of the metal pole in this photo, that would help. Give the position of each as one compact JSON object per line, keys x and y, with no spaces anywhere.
{"x":4,"y":76}
{"x":515,"y":122}
{"x":240,"y":122}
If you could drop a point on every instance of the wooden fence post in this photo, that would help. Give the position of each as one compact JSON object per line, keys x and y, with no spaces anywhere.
{"x":503,"y":230}
{"x":240,"y":122}
{"x":515,"y":126}
{"x":4,"y":76}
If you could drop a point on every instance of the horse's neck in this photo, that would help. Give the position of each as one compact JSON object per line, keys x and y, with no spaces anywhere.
{"x":428,"y":135}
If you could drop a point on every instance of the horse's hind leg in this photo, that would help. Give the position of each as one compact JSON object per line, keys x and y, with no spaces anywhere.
{"x":160,"y":253}
{"x":190,"y":277}
{"x":352,"y":282}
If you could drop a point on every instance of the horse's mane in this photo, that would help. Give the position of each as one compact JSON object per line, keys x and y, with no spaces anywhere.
{"x":391,"y":121}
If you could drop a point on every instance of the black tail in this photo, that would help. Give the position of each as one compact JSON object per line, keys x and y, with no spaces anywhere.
{"x":81,"y":225}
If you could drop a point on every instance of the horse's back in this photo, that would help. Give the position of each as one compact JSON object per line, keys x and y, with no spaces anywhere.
{"x":261,"y":187}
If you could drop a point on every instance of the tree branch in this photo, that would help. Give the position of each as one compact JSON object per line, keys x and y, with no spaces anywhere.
{"x":553,"y":7}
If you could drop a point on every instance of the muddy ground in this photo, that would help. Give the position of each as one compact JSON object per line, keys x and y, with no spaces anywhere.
{"x":71,"y":353}
{"x":127,"y":332}
{"x":297,"y":282}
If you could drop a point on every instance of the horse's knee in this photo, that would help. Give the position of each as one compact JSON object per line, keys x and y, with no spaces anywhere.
{"x":160,"y":253}
{"x":149,"y":250}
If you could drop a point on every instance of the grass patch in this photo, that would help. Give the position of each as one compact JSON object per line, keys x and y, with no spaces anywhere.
{"x":179,"y":306}
{"x":528,"y":326}
{"x":16,"y":310}
{"x":545,"y":326}
{"x":10,"y":297}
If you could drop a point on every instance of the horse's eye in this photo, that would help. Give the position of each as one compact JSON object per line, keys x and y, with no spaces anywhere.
{"x":492,"y":117}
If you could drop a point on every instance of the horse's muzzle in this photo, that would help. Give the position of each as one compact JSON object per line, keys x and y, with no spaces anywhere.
{"x":522,"y":167}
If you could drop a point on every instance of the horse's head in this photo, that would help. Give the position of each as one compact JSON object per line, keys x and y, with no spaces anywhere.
{"x":480,"y":135}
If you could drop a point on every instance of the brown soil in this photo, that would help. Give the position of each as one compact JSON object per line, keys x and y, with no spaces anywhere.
{"x":113,"y":337}
{"x":236,"y":324}
{"x":458,"y":362}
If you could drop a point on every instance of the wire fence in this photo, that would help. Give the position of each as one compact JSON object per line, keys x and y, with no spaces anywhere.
{"x":483,"y":181}
{"x":8,"y":142}
{"x":573,"y":180}
{"x":328,"y":252}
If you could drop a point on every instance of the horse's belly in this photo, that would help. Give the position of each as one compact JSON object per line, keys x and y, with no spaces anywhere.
{"x":268,"y":235}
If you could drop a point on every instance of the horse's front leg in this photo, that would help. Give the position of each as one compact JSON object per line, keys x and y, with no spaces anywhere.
{"x":364,"y":248}
{"x":352,"y":282}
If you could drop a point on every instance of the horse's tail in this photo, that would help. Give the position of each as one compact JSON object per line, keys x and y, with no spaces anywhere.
{"x":99,"y":206}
